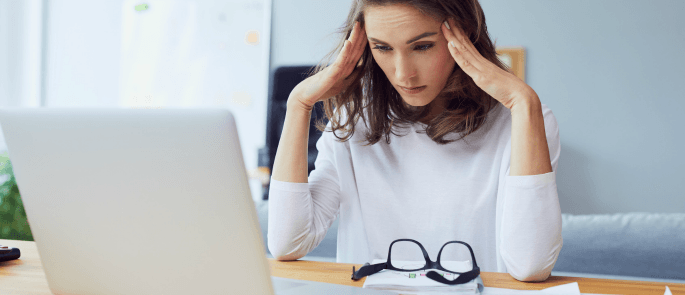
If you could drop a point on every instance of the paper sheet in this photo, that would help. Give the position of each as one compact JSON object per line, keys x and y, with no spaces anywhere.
{"x":415,"y":278}
{"x":566,"y":289}
{"x":570,"y":288}
{"x":412,"y":282}
{"x":418,"y":279}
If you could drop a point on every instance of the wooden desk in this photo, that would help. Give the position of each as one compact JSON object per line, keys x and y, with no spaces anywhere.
{"x":25,"y":276}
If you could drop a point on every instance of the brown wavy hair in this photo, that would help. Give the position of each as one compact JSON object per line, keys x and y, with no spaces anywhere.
{"x":371,"y":96}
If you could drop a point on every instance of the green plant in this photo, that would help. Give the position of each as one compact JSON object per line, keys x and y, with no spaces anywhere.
{"x":13,"y":222}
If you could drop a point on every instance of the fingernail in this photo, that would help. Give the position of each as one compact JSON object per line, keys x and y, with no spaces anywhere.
{"x":447,"y":25}
{"x":452,"y":44}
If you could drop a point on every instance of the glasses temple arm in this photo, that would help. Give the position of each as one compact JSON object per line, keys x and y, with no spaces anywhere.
{"x":367,"y":270}
{"x":462,"y":279}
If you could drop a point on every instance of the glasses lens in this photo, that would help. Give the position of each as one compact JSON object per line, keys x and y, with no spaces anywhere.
{"x":456,"y":257}
{"x":407,"y":255}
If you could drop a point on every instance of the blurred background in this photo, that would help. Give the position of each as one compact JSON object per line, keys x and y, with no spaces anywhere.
{"x":611,"y":71}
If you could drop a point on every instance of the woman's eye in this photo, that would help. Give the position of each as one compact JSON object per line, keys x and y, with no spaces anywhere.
{"x":384,"y":49}
{"x":381,"y":48}
{"x":424,"y":47}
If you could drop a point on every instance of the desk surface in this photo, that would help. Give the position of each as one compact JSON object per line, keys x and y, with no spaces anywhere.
{"x":25,"y":276}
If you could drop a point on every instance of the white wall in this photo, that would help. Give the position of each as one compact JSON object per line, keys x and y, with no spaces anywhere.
{"x":302,"y":30}
{"x":20,"y":54}
{"x":175,"y":54}
{"x":83,"y":49}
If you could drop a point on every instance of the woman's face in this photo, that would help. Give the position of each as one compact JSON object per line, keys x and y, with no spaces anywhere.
{"x":410,"y":49}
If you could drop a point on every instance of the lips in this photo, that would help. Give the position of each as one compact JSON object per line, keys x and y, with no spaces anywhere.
{"x":412,"y":88}
{"x":413,"y":91}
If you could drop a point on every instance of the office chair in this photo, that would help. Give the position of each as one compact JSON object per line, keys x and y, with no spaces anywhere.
{"x":282,"y":81}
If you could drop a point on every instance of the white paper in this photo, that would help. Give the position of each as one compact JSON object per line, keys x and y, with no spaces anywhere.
{"x":403,"y":282}
{"x":566,"y":289}
{"x":417,"y":281}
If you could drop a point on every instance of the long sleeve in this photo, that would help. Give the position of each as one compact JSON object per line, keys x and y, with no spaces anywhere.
{"x":530,"y":228}
{"x":300,"y":214}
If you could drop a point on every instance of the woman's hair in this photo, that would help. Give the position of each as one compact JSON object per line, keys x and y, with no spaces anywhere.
{"x":372,"y":97}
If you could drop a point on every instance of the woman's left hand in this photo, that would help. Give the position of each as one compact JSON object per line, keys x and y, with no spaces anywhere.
{"x":500,"y":84}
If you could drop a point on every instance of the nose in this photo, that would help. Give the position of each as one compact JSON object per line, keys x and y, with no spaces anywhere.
{"x":404,"y":70}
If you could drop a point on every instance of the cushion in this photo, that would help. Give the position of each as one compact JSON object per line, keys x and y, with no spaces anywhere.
{"x":627,"y":244}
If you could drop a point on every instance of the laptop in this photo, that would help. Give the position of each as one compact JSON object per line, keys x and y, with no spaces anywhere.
{"x":142,"y":201}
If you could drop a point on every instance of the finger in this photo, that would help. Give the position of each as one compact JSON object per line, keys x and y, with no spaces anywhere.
{"x":353,"y":33}
{"x":361,"y":43}
{"x":360,"y":46}
{"x":345,"y":53}
{"x":335,"y":73}
{"x":461,"y":35}
{"x":348,"y":65}
{"x":352,"y":57}
{"x":462,"y":54}
{"x":339,"y":62}
{"x":351,"y":52}
{"x":354,"y":36}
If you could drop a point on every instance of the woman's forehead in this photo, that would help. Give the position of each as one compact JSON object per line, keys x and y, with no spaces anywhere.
{"x":396,"y":18}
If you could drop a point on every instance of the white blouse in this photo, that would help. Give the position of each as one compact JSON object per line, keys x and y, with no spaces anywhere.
{"x":417,"y":189}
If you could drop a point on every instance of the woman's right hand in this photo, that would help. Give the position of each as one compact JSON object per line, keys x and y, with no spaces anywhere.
{"x":333,"y":79}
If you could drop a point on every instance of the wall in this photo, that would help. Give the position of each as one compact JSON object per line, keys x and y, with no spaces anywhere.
{"x":20,"y":54}
{"x":609,"y":70}
{"x":20,"y":40}
{"x":175,"y":54}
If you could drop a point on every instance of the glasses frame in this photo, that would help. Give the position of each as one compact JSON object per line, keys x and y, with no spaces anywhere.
{"x":464,"y":277}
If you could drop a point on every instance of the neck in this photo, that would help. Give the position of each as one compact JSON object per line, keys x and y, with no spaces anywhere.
{"x":437,"y":107}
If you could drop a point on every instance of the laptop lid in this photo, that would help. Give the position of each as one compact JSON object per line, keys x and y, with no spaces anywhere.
{"x":137,"y":201}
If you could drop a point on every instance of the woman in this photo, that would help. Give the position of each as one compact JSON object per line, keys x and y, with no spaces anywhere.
{"x":494,"y":187}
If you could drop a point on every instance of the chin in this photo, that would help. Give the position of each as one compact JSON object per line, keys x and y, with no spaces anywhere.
{"x":416,"y":102}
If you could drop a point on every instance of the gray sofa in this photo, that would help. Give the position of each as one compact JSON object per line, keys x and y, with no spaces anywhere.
{"x":626,"y":244}
{"x":642,"y":246}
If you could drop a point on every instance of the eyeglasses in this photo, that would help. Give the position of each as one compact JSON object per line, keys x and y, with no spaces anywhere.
{"x":464,"y":277}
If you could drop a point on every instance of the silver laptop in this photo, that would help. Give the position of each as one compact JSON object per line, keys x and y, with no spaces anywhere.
{"x":142,"y":201}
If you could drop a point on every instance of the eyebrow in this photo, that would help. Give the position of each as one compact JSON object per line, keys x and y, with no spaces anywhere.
{"x":412,"y":40}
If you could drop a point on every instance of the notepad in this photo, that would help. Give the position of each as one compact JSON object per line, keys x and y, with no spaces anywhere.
{"x":416,"y":281}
